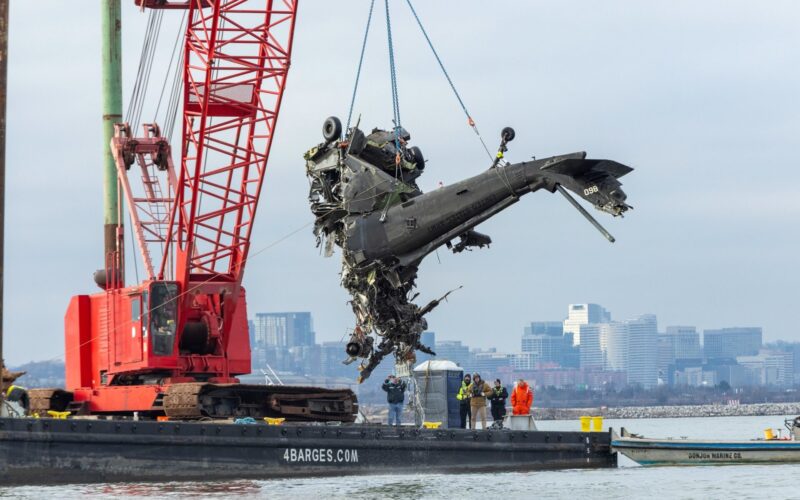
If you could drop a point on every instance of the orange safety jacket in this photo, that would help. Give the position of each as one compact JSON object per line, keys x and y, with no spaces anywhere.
{"x":522,"y":399}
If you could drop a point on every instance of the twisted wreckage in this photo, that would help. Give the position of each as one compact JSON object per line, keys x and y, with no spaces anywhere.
{"x":366,"y":201}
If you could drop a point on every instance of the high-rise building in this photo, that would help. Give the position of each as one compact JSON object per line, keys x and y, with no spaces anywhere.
{"x":794,"y":349}
{"x":284,"y":329}
{"x":544,"y":348}
{"x":617,"y":345}
{"x":730,"y":343}
{"x":593,"y":346}
{"x":571,"y":358}
{"x":695,"y":376}
{"x":554,"y":328}
{"x":629,"y":346}
{"x":678,"y":344}
{"x":684,"y":342}
{"x":642,"y":358}
{"x":730,"y":372}
{"x":783,"y":362}
{"x":604,"y":346}
{"x":583,"y":314}
{"x":488,"y":362}
{"x":769,"y":367}
{"x":523,"y":361}
{"x":453,"y":350}
{"x":426,"y":339}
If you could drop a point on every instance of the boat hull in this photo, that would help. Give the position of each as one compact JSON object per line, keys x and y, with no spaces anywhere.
{"x":36,"y":451}
{"x":701,"y":452}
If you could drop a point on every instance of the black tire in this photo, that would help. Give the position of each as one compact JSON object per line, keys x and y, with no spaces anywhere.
{"x":508,"y":134}
{"x":331,"y":129}
{"x":353,"y":349}
{"x":418,"y":158}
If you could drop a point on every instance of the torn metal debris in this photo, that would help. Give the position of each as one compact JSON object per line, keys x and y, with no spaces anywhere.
{"x":366,"y":201}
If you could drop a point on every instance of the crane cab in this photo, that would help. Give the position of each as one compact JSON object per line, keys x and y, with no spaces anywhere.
{"x":123,"y":345}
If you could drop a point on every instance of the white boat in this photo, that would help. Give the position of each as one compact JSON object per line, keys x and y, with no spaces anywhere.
{"x":683,"y":451}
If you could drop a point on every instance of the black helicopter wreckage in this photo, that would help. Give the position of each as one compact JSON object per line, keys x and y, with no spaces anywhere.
{"x":366,"y":201}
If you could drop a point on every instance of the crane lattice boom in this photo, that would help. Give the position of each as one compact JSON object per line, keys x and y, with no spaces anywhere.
{"x":160,"y":346}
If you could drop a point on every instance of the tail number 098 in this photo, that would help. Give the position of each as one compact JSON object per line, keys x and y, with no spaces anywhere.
{"x":590,"y":190}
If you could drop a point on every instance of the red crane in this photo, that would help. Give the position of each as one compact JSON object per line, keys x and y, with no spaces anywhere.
{"x":175,"y":343}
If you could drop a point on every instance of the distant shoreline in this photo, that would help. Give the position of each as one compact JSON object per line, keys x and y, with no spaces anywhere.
{"x":626,"y":412}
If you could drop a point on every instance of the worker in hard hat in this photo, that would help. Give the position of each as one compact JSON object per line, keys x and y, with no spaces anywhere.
{"x":463,"y":400}
{"x":522,"y":398}
{"x":478,"y":392}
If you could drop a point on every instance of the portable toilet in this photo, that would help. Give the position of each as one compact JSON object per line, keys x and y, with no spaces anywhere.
{"x":438,"y":382}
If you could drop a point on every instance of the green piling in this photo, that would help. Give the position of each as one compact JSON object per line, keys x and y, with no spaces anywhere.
{"x":111,"y":25}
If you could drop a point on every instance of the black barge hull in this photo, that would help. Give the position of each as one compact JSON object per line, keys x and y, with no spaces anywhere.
{"x":38,"y":451}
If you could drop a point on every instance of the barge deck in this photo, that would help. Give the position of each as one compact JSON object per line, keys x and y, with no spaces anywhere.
{"x":40,"y":451}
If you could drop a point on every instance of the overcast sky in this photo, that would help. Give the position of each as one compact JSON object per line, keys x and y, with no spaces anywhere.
{"x":700,"y":97}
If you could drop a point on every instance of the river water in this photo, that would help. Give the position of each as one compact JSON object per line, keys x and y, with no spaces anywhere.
{"x":628,"y":481}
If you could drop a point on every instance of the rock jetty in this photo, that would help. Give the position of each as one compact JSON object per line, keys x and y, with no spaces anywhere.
{"x":624,"y":412}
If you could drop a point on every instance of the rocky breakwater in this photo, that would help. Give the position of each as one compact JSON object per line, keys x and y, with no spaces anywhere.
{"x":742,"y":410}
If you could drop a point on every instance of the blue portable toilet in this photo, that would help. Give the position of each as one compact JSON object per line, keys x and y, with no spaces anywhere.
{"x":438,"y":382}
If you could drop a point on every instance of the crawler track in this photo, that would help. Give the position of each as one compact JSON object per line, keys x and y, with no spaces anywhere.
{"x":202,"y":400}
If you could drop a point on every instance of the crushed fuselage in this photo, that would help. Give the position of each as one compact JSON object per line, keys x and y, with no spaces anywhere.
{"x":366,"y":200}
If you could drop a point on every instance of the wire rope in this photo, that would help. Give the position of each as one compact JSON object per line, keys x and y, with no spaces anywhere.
{"x":360,"y":65}
{"x":146,"y":60}
{"x":470,"y":121}
{"x":175,"y":50}
{"x":393,"y":77}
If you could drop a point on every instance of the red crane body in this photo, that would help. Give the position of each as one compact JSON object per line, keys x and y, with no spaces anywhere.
{"x":187,"y":322}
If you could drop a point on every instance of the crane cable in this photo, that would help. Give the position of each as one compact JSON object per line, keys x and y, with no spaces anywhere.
{"x":393,"y":77}
{"x":178,"y":64}
{"x":360,"y":65}
{"x":146,"y":58}
{"x":173,"y":103}
{"x":470,"y":121}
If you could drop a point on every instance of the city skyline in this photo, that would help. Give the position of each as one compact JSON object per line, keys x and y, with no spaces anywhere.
{"x":526,"y":325}
{"x":620,"y":352}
